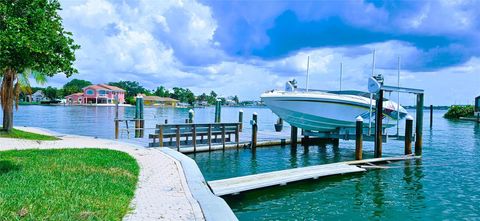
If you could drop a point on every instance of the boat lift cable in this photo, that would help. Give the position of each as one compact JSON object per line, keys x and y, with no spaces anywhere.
{"x":308,"y":65}
{"x":398,"y":96}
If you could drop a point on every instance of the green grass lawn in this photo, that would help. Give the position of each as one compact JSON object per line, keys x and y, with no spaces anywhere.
{"x":68,"y":184}
{"x":20,"y":134}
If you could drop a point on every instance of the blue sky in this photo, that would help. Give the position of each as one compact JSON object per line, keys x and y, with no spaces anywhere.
{"x":247,"y":47}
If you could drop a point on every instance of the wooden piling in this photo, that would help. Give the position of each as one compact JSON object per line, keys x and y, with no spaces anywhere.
{"x":177,"y":136}
{"x":378,"y":124}
{"x":419,"y":125}
{"x":209,"y":137}
{"x":237,"y":135}
{"x":408,"y":135}
{"x":431,"y":116}
{"x":194,"y":138}
{"x":191,"y":115}
{"x":293,"y":136}
{"x":160,"y":136}
{"x":359,"y":138}
{"x":223,"y":137}
{"x":218,"y":111}
{"x":240,"y":119}
{"x":117,"y":129}
{"x":254,"y":131}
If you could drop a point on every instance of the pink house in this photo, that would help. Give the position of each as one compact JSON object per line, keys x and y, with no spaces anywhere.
{"x":97,"y":94}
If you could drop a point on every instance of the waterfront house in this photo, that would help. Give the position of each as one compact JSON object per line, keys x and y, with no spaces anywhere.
{"x":159,"y":101}
{"x":97,"y":94}
{"x":38,"y":96}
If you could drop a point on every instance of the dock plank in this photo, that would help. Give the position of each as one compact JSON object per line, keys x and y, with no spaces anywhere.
{"x":240,"y":184}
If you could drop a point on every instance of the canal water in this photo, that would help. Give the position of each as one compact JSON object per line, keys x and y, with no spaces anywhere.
{"x":443,"y":185}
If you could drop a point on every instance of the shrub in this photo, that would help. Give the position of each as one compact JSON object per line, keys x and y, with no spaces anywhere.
{"x":457,"y":111}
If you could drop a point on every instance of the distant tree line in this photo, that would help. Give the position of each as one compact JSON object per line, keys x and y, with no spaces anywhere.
{"x":133,"y":88}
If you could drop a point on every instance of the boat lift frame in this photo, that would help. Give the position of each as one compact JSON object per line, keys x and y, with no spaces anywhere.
{"x":379,"y":137}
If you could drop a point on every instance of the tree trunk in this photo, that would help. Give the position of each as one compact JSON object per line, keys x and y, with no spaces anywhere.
{"x":7,"y":96}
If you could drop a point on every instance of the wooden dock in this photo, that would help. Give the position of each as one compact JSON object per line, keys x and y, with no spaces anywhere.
{"x":251,"y":182}
{"x":237,"y":185}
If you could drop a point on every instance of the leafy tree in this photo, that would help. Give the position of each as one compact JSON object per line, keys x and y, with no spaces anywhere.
{"x":132,"y":88}
{"x":51,"y":93}
{"x":183,"y":95}
{"x":33,"y":44}
{"x":235,"y":99}
{"x":212,"y":98}
{"x":75,"y":86}
{"x":162,"y":92}
{"x":202,"y":97}
{"x":457,"y":111}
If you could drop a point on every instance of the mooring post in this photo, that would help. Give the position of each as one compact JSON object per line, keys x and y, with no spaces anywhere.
{"x":191,"y":115}
{"x":359,"y":138}
{"x":139,"y":116}
{"x":378,"y":124}
{"x":293,"y":136}
{"x":240,"y":119}
{"x":218,"y":111}
{"x":408,"y":135}
{"x":160,"y":136}
{"x":194,"y":138}
{"x":254,"y":131}
{"x":117,"y":123}
{"x":419,"y":125}
{"x":431,"y":116}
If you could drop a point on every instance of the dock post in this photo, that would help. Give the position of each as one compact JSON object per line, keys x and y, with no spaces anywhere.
{"x":160,"y":136}
{"x":240,"y":119}
{"x":117,"y":123}
{"x":194,"y":138}
{"x":293,"y":136}
{"x":237,"y":135}
{"x":177,"y":137}
{"x":431,"y":116}
{"x":419,"y":126}
{"x":378,"y":124}
{"x":139,"y":116}
{"x":359,"y":138}
{"x":223,"y":137}
{"x":254,"y":131}
{"x":408,"y":135}
{"x":191,"y":115}
{"x":218,"y":111}
{"x":209,"y":137}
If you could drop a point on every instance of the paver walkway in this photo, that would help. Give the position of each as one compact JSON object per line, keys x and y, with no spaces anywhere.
{"x":162,"y":192}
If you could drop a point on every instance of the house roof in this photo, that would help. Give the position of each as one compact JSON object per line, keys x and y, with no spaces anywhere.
{"x":104,"y":86}
{"x":157,"y":98}
{"x":76,"y":94}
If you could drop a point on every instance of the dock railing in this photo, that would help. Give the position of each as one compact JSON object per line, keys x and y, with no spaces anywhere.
{"x":195,"y":134}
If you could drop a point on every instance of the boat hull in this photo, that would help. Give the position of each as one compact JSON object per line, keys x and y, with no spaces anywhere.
{"x":322,"y":112}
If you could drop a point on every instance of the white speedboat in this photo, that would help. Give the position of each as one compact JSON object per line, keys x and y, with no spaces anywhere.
{"x":327,"y":111}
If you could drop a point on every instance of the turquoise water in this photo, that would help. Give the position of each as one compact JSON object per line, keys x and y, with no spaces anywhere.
{"x":443,"y":185}
{"x":98,"y":121}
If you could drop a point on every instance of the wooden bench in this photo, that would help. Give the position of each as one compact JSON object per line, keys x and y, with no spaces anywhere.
{"x":197,"y":133}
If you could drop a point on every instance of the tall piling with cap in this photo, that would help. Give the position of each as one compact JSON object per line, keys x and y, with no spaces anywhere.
{"x":117,"y":122}
{"x":254,"y":123}
{"x":139,"y":120}
{"x":191,"y":115}
{"x":408,"y":134}
{"x":240,"y":120}
{"x":218,"y":111}
{"x":293,"y":136}
{"x":419,"y":125}
{"x":359,"y":138}
{"x":378,"y":124}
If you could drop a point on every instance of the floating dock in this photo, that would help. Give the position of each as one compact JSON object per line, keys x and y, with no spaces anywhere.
{"x":236,"y":185}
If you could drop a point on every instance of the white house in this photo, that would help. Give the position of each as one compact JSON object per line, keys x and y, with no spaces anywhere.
{"x":38,"y":96}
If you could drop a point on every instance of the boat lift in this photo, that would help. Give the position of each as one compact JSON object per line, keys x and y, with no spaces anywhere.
{"x":376,"y":87}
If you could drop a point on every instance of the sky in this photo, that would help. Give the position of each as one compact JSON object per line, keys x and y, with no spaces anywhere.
{"x":247,"y":47}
